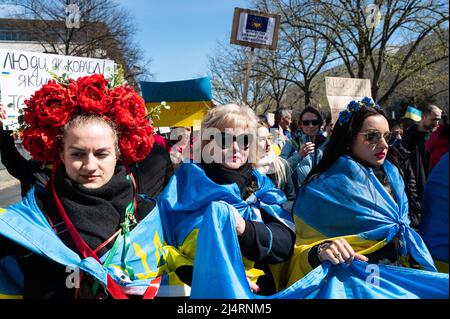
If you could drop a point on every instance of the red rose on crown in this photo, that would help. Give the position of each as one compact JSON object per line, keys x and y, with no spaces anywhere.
{"x":41,"y":143}
{"x":129,"y":108}
{"x":136,"y":143}
{"x":52,"y":105}
{"x":57,"y":102}
{"x":93,"y":94}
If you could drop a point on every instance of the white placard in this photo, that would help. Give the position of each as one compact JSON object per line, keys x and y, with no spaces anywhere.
{"x":255,"y":29}
{"x":23,"y":72}
{"x":340,"y":91}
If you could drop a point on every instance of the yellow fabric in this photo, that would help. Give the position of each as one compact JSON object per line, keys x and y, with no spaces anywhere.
{"x":306,"y":238}
{"x":10,"y":296}
{"x":441,"y":266}
{"x":181,"y":113}
{"x":184,"y":256}
{"x":276,"y":149}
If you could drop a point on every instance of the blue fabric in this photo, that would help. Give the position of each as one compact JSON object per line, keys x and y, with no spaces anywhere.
{"x":177,"y":91}
{"x":189,"y":193}
{"x":11,"y":278}
{"x":434,"y":223}
{"x":25,"y":224}
{"x":306,"y":165}
{"x":348,"y":199}
{"x":219,"y":272}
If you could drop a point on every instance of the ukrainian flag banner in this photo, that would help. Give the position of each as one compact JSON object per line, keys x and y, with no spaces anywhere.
{"x":198,"y":222}
{"x":25,"y":224}
{"x":434,"y":223}
{"x":219,"y":272}
{"x":190,"y":195}
{"x":189,"y":100}
{"x":413,"y":113}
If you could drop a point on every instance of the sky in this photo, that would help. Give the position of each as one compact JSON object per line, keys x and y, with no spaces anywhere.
{"x":178,"y":35}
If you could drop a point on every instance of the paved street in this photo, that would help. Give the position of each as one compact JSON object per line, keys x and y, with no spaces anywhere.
{"x":9,"y":189}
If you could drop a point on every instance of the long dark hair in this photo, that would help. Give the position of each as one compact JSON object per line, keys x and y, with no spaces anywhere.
{"x":310,"y":109}
{"x":342,"y":139}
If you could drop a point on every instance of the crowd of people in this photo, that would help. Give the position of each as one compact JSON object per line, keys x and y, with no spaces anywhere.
{"x":100,"y":179}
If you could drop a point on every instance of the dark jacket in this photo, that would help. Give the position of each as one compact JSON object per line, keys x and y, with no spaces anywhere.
{"x":406,"y":170}
{"x":414,"y":141}
{"x":28,"y":172}
{"x":45,"y":279}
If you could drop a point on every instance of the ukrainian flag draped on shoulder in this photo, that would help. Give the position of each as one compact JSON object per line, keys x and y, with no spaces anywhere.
{"x":193,"y":204}
{"x":25,"y":224}
{"x":190,"y":193}
{"x":434,"y":223}
{"x":219,"y":272}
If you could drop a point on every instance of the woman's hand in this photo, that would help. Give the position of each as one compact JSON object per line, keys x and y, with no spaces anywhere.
{"x":253,"y":287}
{"x":306,"y":149}
{"x":337,"y":252}
{"x":239,"y":221}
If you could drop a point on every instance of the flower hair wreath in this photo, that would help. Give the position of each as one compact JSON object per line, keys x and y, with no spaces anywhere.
{"x":60,"y":100}
{"x":354,"y":107}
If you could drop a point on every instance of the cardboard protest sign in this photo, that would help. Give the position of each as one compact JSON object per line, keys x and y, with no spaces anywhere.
{"x":255,"y":29}
{"x":340,"y":91}
{"x":189,"y":100}
{"x":22,"y":73}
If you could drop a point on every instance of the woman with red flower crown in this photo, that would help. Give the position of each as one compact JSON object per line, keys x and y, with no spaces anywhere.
{"x":91,"y":213}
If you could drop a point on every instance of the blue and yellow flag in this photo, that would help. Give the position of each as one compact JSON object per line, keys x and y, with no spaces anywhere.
{"x":189,"y":100}
{"x":413,"y":113}
{"x":25,"y":224}
{"x":434,"y":222}
{"x":348,"y":201}
{"x":219,"y":272}
{"x":189,"y":195}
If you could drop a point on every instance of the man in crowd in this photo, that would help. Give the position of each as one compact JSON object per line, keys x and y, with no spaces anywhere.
{"x":414,"y":140}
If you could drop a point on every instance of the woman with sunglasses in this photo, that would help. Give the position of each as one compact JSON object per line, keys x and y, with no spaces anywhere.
{"x":353,"y":202}
{"x":225,"y":178}
{"x":305,"y":148}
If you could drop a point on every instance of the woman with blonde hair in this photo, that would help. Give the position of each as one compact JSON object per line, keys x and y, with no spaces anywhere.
{"x":273,"y":166}
{"x":225,"y":184}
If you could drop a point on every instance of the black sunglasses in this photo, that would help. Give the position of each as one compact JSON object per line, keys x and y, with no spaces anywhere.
{"x":374,"y":137}
{"x":313,"y":122}
{"x":226,"y":140}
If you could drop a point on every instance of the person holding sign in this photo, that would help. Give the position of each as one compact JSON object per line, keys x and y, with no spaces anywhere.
{"x":353,"y":202}
{"x":85,"y":233}
{"x":225,"y":183}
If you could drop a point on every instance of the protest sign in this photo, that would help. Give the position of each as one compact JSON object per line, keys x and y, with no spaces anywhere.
{"x":22,"y":73}
{"x":340,"y":91}
{"x":255,"y":29}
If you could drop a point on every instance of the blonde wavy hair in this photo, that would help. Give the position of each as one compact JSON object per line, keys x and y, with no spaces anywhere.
{"x":231,"y":116}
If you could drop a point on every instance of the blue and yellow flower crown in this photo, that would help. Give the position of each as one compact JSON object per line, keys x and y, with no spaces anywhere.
{"x":354,"y":107}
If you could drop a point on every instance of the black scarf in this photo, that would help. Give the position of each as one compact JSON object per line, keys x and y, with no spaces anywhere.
{"x":221,"y":175}
{"x":97,"y":213}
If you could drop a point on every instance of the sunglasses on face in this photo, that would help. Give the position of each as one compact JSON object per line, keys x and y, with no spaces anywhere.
{"x":374,"y":137}
{"x":312,"y":122}
{"x":226,"y":140}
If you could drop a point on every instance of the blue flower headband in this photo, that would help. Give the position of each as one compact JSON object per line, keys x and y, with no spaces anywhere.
{"x":356,"y":106}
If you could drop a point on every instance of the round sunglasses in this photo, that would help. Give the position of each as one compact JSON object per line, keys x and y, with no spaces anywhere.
{"x":374,"y":137}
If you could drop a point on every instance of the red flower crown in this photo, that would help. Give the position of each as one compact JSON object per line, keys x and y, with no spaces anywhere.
{"x":57,"y":102}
